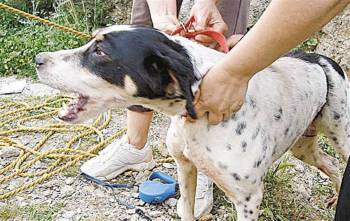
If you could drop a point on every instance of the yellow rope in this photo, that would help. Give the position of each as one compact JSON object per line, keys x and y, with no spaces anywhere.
{"x":44,"y":21}
{"x":14,"y":116}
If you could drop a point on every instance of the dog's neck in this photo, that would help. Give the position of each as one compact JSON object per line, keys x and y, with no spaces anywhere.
{"x":202,"y":58}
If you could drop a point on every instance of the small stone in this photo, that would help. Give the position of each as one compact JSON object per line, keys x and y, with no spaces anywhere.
{"x":69,"y":214}
{"x":130,"y":211}
{"x":135,"y":195}
{"x":155,"y":213}
{"x":67,"y":191}
{"x":172,"y":202}
{"x":168,"y":165}
{"x":47,"y":193}
{"x":134,"y":217}
{"x":140,"y":177}
{"x":161,"y":148}
{"x":89,"y":188}
{"x":99,"y":193}
{"x":220,"y":211}
{"x":9,"y":152}
{"x":128,"y":173}
{"x":16,"y":183}
{"x":69,"y":180}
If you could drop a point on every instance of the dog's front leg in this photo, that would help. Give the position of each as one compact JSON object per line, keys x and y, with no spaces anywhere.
{"x":187,"y":174}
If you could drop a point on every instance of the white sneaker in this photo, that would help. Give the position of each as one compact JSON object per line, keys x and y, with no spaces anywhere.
{"x":118,"y":157}
{"x":204,"y":197}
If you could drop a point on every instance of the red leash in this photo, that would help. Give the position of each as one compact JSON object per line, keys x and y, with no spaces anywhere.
{"x":187,"y":31}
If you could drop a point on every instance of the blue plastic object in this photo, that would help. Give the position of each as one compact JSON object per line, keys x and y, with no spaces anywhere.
{"x":152,"y":191}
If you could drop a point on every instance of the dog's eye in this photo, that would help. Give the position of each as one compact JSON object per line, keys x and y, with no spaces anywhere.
{"x":99,"y":52}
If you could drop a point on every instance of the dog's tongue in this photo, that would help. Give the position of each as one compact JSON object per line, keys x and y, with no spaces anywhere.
{"x":70,"y":112}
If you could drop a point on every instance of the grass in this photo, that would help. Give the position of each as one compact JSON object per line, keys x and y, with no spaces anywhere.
{"x":34,"y":212}
{"x":71,"y":171}
{"x":21,"y":39}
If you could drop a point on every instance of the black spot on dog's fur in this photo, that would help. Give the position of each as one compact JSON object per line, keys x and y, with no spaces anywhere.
{"x":336,"y":115}
{"x":152,"y":64}
{"x":208,"y":127}
{"x":257,"y":164}
{"x":234,"y":117}
{"x":208,"y":148}
{"x":244,"y":146}
{"x":240,"y":127}
{"x":256,"y":132}
{"x":286,"y":131}
{"x":222,"y":165}
{"x":236,"y":176}
{"x":228,"y":147}
{"x":252,"y":102}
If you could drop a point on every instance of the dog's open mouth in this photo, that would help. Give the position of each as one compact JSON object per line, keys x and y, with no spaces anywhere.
{"x":70,"y":112}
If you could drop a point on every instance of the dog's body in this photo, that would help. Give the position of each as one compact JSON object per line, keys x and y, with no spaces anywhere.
{"x":163,"y":74}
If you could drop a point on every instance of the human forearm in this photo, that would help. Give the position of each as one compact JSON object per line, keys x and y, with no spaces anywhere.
{"x":285,"y":24}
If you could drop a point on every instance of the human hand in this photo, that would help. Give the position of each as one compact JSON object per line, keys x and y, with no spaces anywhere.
{"x":207,"y":16}
{"x":220,"y":94}
{"x":166,"y":23}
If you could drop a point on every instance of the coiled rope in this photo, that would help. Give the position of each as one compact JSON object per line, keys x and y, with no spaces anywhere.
{"x":16,"y":119}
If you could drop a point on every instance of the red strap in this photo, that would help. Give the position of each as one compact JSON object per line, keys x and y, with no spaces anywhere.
{"x":189,"y":33}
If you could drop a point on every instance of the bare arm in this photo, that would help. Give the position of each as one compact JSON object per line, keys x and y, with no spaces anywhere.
{"x":284,"y":25}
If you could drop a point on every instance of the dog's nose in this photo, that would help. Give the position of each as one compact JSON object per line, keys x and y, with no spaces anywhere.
{"x":40,"y":59}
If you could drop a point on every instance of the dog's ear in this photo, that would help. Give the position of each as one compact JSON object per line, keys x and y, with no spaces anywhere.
{"x":171,"y":64}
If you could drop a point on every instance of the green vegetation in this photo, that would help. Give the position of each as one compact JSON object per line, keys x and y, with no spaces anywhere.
{"x":37,"y":212}
{"x":21,"y":39}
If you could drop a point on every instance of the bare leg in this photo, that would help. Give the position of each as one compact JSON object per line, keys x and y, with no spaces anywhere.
{"x":138,"y":126}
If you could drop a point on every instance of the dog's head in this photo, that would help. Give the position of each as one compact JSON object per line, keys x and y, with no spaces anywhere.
{"x":121,"y":66}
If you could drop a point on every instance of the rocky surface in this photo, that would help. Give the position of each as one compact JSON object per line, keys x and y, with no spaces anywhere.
{"x":335,"y":39}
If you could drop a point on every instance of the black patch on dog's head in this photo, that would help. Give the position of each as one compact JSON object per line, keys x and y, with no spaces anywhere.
{"x":159,"y":67}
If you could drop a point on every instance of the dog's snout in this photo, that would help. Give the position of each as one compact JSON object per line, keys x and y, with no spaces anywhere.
{"x":41,"y":59}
